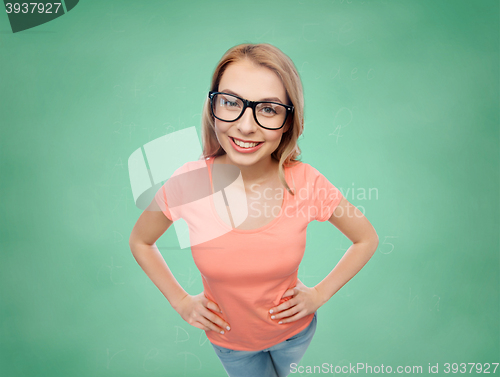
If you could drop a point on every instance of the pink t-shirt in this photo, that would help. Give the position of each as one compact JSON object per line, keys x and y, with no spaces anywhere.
{"x":246,"y":272}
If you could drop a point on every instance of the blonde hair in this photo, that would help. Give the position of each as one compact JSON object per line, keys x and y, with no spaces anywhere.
{"x":271,"y":57}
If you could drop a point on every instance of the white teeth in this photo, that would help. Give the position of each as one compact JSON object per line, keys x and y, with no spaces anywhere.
{"x":244,"y":145}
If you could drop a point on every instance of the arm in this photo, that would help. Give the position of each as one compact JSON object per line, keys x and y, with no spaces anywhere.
{"x":148,"y":228}
{"x":355,"y":226}
{"x":193,"y":309}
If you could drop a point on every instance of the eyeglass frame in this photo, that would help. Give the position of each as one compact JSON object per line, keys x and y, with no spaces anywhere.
{"x":252,"y":105}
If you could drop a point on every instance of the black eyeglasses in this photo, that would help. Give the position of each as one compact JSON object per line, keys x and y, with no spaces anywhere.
{"x":229,"y":108}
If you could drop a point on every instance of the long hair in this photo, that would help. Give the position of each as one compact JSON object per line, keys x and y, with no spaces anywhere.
{"x":273,"y":58}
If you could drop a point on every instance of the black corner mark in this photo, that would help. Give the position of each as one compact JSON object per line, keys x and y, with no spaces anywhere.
{"x":26,"y":15}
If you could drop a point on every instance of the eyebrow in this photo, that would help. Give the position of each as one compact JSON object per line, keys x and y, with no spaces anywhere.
{"x":272,"y":99}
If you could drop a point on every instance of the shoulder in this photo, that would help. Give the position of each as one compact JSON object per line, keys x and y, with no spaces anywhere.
{"x":193,"y":165}
{"x":304,"y":171}
{"x":190,"y":166}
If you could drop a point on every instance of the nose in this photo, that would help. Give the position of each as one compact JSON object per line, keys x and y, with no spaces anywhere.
{"x":247,"y":124}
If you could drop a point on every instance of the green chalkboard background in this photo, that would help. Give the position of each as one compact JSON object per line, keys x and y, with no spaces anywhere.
{"x":401,"y":97}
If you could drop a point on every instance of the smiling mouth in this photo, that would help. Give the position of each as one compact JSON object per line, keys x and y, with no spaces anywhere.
{"x":245,"y":145}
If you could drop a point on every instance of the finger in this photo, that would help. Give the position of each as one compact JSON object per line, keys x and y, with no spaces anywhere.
{"x":211,"y":326}
{"x":200,"y":326}
{"x":292,"y":318}
{"x":283,"y":306}
{"x":194,"y":320}
{"x":212,"y":306}
{"x":285,"y":313}
{"x":199,"y":316}
{"x":216,"y":320}
{"x":288,"y":295}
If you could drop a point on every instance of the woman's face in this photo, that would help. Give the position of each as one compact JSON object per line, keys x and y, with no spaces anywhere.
{"x":255,"y":83}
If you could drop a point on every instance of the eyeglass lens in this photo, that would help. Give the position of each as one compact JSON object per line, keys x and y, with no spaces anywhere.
{"x":228,"y":108}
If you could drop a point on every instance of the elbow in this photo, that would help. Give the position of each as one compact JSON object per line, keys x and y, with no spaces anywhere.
{"x":136,"y":244}
{"x":131,"y":240}
{"x":134,"y":240}
{"x":369,"y":245}
{"x":372,"y":243}
{"x":375,"y":243}
{"x":372,"y":237}
{"x":133,"y":243}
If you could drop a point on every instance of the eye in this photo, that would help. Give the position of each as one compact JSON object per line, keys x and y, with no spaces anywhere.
{"x":268,"y":109}
{"x":229,"y":102}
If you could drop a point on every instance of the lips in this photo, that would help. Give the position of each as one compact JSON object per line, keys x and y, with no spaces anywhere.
{"x":246,"y":141}
{"x":245,"y":149}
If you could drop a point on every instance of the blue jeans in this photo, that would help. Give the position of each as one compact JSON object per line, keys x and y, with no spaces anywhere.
{"x":273,"y":361}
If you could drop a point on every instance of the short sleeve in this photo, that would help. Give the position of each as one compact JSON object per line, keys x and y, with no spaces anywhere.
{"x":161,"y":200}
{"x":325,"y":196}
{"x":169,"y":196}
{"x":180,"y":194}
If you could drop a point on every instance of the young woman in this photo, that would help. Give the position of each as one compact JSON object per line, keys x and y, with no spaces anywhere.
{"x":258,"y":316}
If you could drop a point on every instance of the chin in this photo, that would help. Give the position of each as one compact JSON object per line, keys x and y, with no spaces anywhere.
{"x":243,"y":160}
